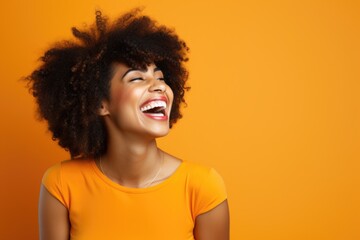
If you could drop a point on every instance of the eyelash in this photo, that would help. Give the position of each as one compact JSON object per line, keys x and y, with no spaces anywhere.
{"x":134,"y":79}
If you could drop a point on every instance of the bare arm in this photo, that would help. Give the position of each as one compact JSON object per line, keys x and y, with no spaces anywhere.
{"x":53,"y":218}
{"x":213,"y":225}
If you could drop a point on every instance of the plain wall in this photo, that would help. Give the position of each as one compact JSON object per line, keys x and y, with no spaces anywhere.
{"x":274,"y":107}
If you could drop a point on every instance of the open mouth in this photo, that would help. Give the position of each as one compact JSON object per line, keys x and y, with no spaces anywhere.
{"x":154,"y":108}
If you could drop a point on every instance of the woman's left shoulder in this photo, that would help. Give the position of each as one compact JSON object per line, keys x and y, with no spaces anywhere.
{"x":205,"y":186}
{"x":195,"y":172}
{"x":198,"y":169}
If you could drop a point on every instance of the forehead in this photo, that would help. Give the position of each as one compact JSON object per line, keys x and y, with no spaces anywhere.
{"x":121,"y":69}
{"x":118,"y":68}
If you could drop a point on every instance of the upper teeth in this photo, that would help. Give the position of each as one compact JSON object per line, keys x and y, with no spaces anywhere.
{"x":153,"y":104}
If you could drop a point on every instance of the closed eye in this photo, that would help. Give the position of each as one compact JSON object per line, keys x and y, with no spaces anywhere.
{"x":135,"y":79}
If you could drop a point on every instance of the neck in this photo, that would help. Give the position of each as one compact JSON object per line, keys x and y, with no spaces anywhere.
{"x":132,"y":161}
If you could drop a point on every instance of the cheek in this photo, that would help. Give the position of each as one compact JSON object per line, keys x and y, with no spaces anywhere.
{"x":170,"y":95}
{"x":128,"y":97}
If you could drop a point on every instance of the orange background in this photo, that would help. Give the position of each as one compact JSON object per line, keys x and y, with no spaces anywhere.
{"x":274,"y":107}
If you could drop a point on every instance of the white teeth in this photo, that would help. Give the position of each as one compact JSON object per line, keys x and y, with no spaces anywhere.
{"x":157,"y":114}
{"x":153,"y":104}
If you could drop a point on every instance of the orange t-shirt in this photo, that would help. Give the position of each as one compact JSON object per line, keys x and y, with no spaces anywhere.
{"x":102,"y":209}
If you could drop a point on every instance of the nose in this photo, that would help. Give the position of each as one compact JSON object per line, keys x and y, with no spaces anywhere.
{"x":157,"y":86}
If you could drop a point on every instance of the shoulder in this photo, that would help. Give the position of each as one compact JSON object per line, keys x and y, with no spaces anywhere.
{"x":199,"y":172}
{"x":62,"y":178}
{"x":70,"y":165}
{"x":75,"y":163}
{"x":205,"y":187}
{"x":66,"y":169}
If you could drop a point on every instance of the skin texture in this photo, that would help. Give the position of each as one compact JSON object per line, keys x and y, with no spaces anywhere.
{"x":132,"y":156}
{"x":127,"y":94}
{"x":213,"y":225}
{"x":53,"y":218}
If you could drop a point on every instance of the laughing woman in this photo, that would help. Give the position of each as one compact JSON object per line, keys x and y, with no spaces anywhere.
{"x":107,"y":96}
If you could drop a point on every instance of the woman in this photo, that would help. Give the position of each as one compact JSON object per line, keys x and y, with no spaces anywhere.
{"x":106,"y":97}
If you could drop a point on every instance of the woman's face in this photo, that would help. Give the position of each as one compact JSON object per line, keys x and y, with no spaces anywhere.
{"x":140,"y":101}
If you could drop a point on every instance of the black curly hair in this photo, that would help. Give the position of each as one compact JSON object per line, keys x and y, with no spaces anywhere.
{"x":74,"y":76}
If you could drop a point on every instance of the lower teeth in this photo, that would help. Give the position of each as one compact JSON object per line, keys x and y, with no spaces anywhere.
{"x":157,"y":114}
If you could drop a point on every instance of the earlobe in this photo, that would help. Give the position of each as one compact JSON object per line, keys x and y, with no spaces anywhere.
{"x":103,"y":110}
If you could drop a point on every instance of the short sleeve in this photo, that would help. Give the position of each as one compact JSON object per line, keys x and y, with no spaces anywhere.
{"x":211,"y":192}
{"x":52,"y":182}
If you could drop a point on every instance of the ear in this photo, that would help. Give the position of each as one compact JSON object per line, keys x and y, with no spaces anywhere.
{"x":103,"y":110}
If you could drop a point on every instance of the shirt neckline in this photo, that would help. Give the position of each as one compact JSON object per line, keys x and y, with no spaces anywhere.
{"x":119,"y":187}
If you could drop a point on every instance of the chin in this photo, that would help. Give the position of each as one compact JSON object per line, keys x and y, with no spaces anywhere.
{"x":158,"y":133}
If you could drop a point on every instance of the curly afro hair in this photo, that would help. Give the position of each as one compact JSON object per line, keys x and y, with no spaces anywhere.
{"x":74,"y":76}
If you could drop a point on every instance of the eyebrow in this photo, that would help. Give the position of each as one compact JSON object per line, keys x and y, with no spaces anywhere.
{"x":156,"y":69}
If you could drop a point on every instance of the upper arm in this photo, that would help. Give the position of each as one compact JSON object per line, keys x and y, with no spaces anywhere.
{"x":53,"y":217}
{"x":214,"y":224}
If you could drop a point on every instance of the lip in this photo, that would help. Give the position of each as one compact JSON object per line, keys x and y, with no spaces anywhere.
{"x":162,"y":118}
{"x":159,"y":98}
